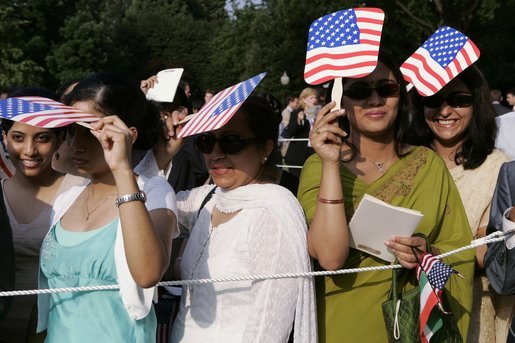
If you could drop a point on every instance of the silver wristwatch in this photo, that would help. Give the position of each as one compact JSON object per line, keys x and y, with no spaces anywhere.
{"x":138,"y":196}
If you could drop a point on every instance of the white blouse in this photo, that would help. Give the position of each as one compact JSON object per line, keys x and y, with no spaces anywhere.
{"x":267,"y":236}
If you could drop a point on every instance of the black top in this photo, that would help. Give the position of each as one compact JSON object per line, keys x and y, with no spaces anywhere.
{"x":6,"y":258}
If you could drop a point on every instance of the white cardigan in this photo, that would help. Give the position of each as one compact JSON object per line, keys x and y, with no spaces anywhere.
{"x":137,"y":300}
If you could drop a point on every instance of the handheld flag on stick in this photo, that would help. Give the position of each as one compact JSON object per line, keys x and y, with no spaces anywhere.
{"x":42,"y":112}
{"x":432,"y":275}
{"x":442,"y":56}
{"x":221,"y":108}
{"x":343,"y":44}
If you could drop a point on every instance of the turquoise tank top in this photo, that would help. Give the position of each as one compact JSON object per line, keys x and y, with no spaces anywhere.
{"x":94,"y":316}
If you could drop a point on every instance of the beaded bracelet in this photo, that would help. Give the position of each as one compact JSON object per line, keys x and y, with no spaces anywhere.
{"x":328,"y":201}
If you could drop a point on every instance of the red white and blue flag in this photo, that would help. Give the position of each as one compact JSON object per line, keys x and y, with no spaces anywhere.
{"x":441,"y":58}
{"x":219,"y":110}
{"x":42,"y":112}
{"x":343,"y":44}
{"x":432,"y":275}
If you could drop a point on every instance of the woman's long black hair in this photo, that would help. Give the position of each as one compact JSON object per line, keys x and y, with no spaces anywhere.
{"x":480,"y":136}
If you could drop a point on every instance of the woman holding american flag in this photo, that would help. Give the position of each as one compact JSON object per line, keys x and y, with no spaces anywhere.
{"x":115,"y":228}
{"x":373,"y":157}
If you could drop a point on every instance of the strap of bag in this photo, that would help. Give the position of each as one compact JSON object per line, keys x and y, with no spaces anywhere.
{"x":428,"y":245}
{"x":206,"y":199}
{"x":394,"y":291}
{"x":397,"y":301}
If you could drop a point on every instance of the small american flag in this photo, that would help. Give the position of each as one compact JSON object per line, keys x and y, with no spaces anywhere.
{"x":6,"y":166}
{"x":343,"y":44}
{"x":217,"y":112}
{"x":443,"y":56}
{"x":42,"y":112}
{"x":432,"y":275}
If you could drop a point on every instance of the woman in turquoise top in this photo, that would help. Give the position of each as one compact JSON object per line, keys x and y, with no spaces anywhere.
{"x":97,"y":241}
{"x":96,"y":266}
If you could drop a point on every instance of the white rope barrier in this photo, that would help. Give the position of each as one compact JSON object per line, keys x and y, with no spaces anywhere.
{"x":493,"y":237}
{"x":293,"y":139}
{"x":287,"y":166}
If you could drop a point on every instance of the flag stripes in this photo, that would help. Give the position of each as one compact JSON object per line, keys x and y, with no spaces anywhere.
{"x":343,"y":44}
{"x":217,"y":112}
{"x":443,"y":56}
{"x":42,"y":112}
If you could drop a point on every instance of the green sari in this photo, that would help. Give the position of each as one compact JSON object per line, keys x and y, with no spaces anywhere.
{"x":349,"y":306}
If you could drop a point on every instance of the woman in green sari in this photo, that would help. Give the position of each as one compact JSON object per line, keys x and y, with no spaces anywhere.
{"x":375,"y":159}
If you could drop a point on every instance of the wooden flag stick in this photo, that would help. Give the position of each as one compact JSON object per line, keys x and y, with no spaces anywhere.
{"x":337,"y":92}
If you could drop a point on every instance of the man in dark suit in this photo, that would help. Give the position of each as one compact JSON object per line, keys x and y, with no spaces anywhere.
{"x":188,"y":168}
{"x":500,"y":256}
{"x":496,"y":98}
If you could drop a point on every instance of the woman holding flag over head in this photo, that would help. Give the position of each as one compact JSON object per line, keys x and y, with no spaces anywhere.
{"x":29,"y":196}
{"x":458,"y":123}
{"x":115,"y":228}
{"x":372,"y":156}
{"x":244,"y":225}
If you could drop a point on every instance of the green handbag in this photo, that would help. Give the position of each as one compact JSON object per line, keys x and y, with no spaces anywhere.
{"x":401,"y":314}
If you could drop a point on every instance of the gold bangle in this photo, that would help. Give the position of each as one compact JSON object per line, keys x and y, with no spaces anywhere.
{"x":328,"y":201}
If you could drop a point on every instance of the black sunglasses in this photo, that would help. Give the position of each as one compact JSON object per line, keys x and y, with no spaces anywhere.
{"x":455,"y":100}
{"x":362,"y":91}
{"x":229,"y":144}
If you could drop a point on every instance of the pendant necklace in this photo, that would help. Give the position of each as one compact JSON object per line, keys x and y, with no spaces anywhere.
{"x":380,"y":166}
{"x":88,"y":212}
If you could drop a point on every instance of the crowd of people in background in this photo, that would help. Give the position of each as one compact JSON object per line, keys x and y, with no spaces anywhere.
{"x":127,"y":202}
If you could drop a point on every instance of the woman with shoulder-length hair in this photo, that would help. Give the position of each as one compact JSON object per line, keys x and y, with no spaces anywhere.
{"x":458,"y":123}
{"x":372,"y":157}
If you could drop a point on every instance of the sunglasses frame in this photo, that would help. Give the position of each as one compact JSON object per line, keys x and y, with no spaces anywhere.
{"x":450,"y":99}
{"x":384,"y":90}
{"x":223,"y":143}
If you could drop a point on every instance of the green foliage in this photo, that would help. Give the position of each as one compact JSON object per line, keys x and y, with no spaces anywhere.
{"x":16,"y":68}
{"x":49,"y":42}
{"x":82,"y":50}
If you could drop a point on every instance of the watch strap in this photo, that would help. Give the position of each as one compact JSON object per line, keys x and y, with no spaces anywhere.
{"x":137,"y":196}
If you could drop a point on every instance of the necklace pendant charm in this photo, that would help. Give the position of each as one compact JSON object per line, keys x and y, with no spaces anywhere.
{"x":379,"y":167}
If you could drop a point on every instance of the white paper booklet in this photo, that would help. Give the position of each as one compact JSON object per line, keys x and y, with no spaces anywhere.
{"x":376,"y":221}
{"x":168,"y":81}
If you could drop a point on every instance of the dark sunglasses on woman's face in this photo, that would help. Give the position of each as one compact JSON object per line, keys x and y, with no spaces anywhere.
{"x":229,"y":144}
{"x":455,"y":100}
{"x":361,"y":91}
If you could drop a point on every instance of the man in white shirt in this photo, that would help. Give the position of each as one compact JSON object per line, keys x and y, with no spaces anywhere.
{"x":505,"y":138}
{"x":510,"y":98}
{"x":293,"y":103}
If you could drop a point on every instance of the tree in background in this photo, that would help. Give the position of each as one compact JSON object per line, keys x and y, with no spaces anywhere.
{"x":49,"y":42}
{"x":16,"y":67}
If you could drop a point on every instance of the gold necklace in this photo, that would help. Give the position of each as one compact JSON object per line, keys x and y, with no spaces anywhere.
{"x":88,"y":212}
